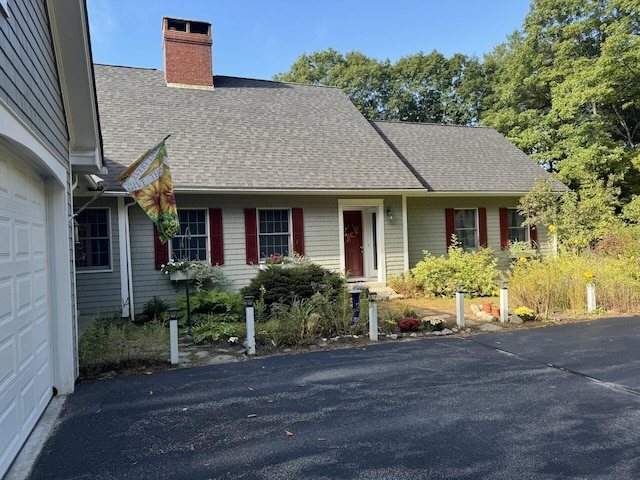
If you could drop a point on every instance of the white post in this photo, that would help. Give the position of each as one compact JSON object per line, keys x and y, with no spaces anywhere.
{"x":251,"y":329}
{"x":173,"y":339}
{"x":173,"y":335}
{"x":459,"y":305}
{"x":373,"y":317}
{"x":591,"y":297}
{"x":504,"y":302}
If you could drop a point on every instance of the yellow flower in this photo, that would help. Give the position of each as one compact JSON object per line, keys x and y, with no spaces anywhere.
{"x":584,"y":241}
{"x":588,"y":275}
{"x":576,"y":241}
{"x":523,"y":259}
{"x":552,"y":228}
{"x":633,"y":257}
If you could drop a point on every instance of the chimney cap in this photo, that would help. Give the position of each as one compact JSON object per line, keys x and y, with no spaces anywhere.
{"x":204,"y":27}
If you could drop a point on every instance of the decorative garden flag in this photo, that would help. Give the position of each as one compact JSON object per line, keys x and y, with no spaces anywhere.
{"x":148,"y":180}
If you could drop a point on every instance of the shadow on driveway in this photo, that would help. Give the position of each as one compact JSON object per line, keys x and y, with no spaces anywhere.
{"x":487,"y":406}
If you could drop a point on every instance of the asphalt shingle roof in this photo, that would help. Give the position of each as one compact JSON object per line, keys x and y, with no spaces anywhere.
{"x":245,"y":134}
{"x":450,"y":158}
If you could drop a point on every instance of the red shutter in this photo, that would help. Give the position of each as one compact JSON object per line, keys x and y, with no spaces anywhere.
{"x":533,"y":236}
{"x":450,"y":224}
{"x":215,"y":236}
{"x":504,"y":228}
{"x":160,"y":250}
{"x":482,"y":227}
{"x":251,"y":235}
{"x":297,"y":228}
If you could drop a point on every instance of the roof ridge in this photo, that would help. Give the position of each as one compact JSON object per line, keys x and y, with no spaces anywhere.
{"x":404,"y":122}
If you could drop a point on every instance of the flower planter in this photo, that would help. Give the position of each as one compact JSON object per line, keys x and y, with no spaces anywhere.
{"x":495,"y":311}
{"x":176,"y":276}
{"x":486,"y":307}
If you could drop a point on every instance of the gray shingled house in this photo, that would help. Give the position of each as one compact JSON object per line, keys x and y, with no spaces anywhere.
{"x":263,"y":168}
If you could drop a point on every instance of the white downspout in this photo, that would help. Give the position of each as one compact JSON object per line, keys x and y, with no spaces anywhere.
{"x":126,"y":274}
{"x":405,"y":233}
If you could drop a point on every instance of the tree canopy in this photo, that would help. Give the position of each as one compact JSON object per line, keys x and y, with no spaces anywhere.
{"x":565,"y":89}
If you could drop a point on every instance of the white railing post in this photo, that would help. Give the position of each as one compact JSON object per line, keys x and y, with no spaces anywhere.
{"x":251,"y":329}
{"x":459,"y":305}
{"x":504,"y":301}
{"x":373,"y":317}
{"x":591,"y":297}
{"x":173,"y":335}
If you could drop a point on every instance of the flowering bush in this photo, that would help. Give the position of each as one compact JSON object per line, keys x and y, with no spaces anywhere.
{"x":175,"y":266}
{"x":525,"y":313}
{"x":199,"y":273}
{"x":409,"y":324}
{"x":433,"y":323}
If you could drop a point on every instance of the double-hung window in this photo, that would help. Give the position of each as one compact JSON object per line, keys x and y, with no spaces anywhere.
{"x":517,"y":232}
{"x":274,"y":233}
{"x":466,"y":228}
{"x":192,"y":241}
{"x":93,"y":239}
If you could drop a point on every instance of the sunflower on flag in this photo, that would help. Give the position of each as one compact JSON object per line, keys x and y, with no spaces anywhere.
{"x":148,"y":181}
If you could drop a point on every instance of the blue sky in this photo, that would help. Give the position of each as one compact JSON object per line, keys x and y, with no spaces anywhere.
{"x":257,"y":39}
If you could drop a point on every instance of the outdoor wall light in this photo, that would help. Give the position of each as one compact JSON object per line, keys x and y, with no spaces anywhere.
{"x":248,"y":300}
{"x":373,"y":296}
{"x":390,"y":215}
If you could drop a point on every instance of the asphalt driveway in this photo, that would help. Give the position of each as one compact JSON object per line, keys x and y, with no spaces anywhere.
{"x":558,"y":402}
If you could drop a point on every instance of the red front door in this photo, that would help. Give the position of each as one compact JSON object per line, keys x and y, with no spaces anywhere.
{"x":353,"y":251}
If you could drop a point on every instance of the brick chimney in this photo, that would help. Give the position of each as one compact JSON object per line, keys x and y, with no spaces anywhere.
{"x":187,"y":53}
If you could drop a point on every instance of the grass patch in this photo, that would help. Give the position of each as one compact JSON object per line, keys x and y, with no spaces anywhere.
{"x":113,"y":345}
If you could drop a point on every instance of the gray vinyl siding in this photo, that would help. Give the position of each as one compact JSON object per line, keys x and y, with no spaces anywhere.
{"x":427,"y":230}
{"x":393,"y":237}
{"x":321,"y":237}
{"x":28,"y":76}
{"x":98,"y":292}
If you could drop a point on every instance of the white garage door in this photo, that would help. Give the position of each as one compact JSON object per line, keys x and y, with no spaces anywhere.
{"x":25,"y":370}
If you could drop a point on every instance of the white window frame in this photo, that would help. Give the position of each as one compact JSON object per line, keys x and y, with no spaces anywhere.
{"x":109,"y":238}
{"x":475,"y":228}
{"x":206,"y":236}
{"x":261,"y":257}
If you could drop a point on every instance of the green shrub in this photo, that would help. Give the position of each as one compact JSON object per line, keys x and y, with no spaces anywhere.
{"x":297,"y":321}
{"x":475,"y":270}
{"x":215,"y":330}
{"x":154,"y":309}
{"x":212,"y":305}
{"x":280,"y":283}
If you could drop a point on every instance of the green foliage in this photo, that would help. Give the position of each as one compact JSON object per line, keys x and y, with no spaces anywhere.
{"x":213,"y":305}
{"x":476,"y":270}
{"x":109,"y":344}
{"x":154,"y":309}
{"x":565,"y":91}
{"x":277,"y":284}
{"x":552,"y":285}
{"x":214,"y":330}
{"x":420,"y":87}
{"x":299,"y":321}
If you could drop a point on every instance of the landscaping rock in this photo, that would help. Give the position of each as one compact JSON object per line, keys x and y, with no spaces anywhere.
{"x":446,"y":331}
{"x":475,"y":308}
{"x":393,"y":336}
{"x":490,"y":327}
{"x":514,"y":319}
{"x":470,"y":323}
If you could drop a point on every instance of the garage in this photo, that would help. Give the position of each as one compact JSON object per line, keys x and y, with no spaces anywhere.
{"x":26,"y":380}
